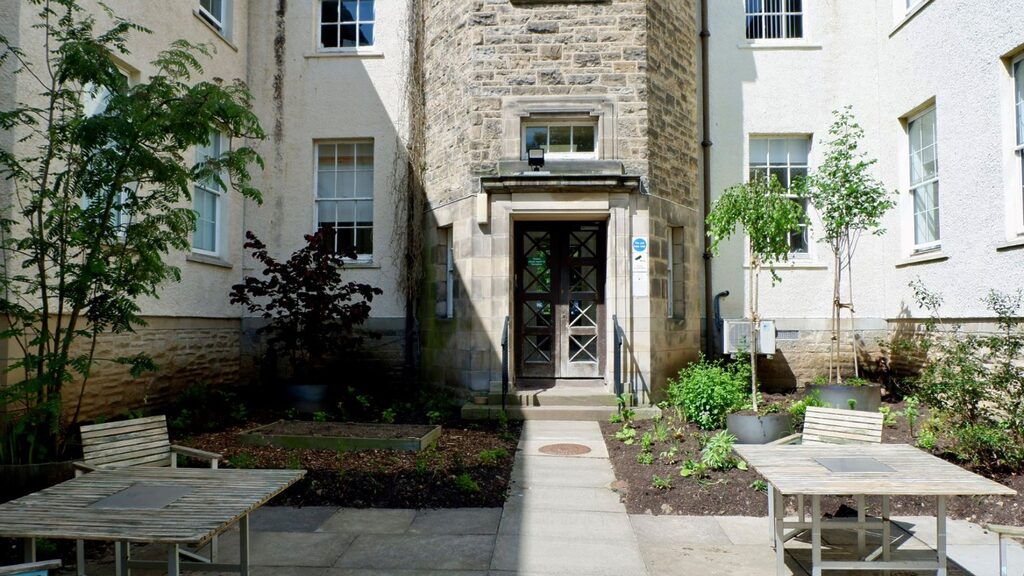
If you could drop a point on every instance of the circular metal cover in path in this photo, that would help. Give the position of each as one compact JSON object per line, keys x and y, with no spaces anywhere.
{"x":565,"y":449}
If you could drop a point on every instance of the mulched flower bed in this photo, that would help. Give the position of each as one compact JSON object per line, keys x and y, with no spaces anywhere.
{"x":469,"y":466}
{"x":731,"y":493}
{"x":345,"y":429}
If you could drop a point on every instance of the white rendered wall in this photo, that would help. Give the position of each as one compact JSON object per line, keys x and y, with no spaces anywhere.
{"x":862,"y":54}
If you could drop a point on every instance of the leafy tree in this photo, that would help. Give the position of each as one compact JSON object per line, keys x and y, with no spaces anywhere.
{"x":849,"y":201}
{"x":96,"y":203}
{"x":311,"y":309}
{"x":768,"y":217}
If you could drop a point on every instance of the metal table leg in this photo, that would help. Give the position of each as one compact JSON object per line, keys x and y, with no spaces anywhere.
{"x":771,"y":515}
{"x":778,"y":531}
{"x":29,"y":549}
{"x":243,"y":545}
{"x":886,"y":532}
{"x":173,"y":562}
{"x":940,"y":534}
{"x":815,"y":535}
{"x":861,"y":531}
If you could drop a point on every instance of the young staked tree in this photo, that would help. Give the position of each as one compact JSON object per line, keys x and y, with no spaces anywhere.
{"x":850,"y":201}
{"x":769,"y":217}
{"x":96,"y":202}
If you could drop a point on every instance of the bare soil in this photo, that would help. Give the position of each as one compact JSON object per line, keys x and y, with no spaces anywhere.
{"x":734,"y":492}
{"x":437,"y":477}
{"x":345,"y":429}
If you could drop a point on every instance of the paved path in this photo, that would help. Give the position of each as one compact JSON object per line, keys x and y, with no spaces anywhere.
{"x":561,"y":519}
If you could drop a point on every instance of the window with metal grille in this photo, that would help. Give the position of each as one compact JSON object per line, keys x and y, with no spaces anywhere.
{"x":346,"y":24}
{"x":344,"y":195}
{"x":924,"y":180}
{"x":786,"y":159}
{"x":774,"y":19}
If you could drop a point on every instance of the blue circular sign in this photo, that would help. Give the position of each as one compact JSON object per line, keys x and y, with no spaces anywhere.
{"x":639,"y":245}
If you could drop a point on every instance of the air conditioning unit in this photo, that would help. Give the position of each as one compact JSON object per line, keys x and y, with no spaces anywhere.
{"x":736,"y":337}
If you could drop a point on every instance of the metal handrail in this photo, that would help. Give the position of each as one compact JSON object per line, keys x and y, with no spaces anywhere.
{"x":617,"y":363}
{"x":504,"y":364}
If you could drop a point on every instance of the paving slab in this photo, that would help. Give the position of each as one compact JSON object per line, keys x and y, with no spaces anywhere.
{"x":667,"y":532}
{"x":730,"y":560}
{"x":613,"y":526}
{"x":565,"y":498}
{"x":294,"y":549}
{"x":369,"y":521}
{"x":555,"y":431}
{"x":397,"y":572}
{"x":456,"y":521}
{"x":419,"y":552}
{"x":530,"y":471}
{"x":566,"y":556}
{"x":289,"y":519}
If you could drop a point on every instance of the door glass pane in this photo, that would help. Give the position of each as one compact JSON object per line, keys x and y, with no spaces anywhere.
{"x":537,"y":269}
{"x":582,"y":313}
{"x":582,"y":349}
{"x":583,"y":244}
{"x":583,"y":279}
{"x":538,"y":349}
{"x":537,"y":314}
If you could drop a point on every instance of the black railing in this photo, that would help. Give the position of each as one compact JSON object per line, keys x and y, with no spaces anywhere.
{"x":504,"y":364}
{"x":617,"y":363}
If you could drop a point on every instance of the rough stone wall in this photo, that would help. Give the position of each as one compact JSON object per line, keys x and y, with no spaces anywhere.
{"x":673,"y":134}
{"x":799,"y":361}
{"x":187,"y":350}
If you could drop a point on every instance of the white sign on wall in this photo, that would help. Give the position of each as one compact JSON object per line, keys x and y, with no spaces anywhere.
{"x":640,"y":265}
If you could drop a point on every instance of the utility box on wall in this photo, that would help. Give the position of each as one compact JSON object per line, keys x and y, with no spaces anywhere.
{"x":736,"y":336}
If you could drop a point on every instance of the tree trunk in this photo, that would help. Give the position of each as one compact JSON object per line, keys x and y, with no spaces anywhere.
{"x":755,"y":272}
{"x":853,"y":328}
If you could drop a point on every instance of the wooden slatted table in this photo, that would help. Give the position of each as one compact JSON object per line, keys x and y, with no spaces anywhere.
{"x":111,"y":505}
{"x":884,"y":470}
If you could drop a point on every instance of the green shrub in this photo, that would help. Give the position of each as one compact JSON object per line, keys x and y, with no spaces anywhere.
{"x":910,"y":412}
{"x":242,"y":460}
{"x":661,"y":483}
{"x":644,"y":458}
{"x":799,"y":408}
{"x":492,"y":457}
{"x":708,"y":391}
{"x":717,"y":453}
{"x":626,"y":435}
{"x":465,"y":483}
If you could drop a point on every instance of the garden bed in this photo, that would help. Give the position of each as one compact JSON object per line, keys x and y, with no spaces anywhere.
{"x":467,"y":466}
{"x":735,"y":492}
{"x":349,"y":437}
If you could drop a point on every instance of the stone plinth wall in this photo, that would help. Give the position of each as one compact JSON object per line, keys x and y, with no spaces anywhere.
{"x":799,"y":361}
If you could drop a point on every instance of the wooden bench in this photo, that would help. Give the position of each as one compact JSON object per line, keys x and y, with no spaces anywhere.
{"x":137,"y":442}
{"x":835,"y":426}
{"x":30,"y":568}
{"x":1004,"y":532}
{"x":832,"y":426}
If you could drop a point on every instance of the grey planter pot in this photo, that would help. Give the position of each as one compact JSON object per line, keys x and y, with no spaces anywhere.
{"x":22,"y":479}
{"x":752,"y":429}
{"x":868,"y":398}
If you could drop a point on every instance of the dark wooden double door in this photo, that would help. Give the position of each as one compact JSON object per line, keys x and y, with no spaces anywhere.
{"x":559,"y":300}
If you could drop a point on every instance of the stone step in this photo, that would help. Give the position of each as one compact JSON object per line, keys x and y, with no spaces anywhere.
{"x":556,"y":397}
{"x":587,"y":413}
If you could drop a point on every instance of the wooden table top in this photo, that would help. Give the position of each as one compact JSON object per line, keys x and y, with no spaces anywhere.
{"x":215,"y":499}
{"x":796,"y":469}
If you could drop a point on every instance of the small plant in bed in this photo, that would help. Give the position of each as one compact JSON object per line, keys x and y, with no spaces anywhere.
{"x":708,"y":390}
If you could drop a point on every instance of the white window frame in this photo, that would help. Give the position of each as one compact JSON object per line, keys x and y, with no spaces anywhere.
{"x":371,"y":47}
{"x":1017,"y":99}
{"x":913,"y":187}
{"x":218,"y":220}
{"x":218,"y":21}
{"x":360,"y":257}
{"x":549,"y":122}
{"x":789,"y":166}
{"x":786,"y":14}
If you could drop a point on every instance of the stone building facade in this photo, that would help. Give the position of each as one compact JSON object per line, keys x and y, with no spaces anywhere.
{"x":550,"y":251}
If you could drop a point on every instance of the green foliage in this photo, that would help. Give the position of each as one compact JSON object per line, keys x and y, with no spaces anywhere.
{"x":856,"y":382}
{"x":820,"y":380}
{"x":492,"y":457}
{"x":910,"y":412}
{"x":661,"y":483}
{"x":888,"y":416}
{"x":465,"y":483}
{"x":759,"y":485}
{"x":850,"y":201}
{"x":202,"y":408}
{"x":320,"y":416}
{"x":242,"y":460}
{"x":434,"y":416}
{"x":626,"y":435}
{"x":97,"y":203}
{"x":660,"y":429}
{"x":852,"y":403}
{"x":644,"y":458}
{"x":293,"y":462}
{"x":927,"y":439}
{"x":669,"y":456}
{"x":798,"y":410}
{"x":388,"y":416}
{"x":716,"y":454}
{"x":626,"y":413}
{"x":646,"y":441}
{"x":708,"y":391}
{"x":975,"y":382}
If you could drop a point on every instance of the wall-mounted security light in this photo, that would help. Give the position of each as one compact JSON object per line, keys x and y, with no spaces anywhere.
{"x":535,"y":158}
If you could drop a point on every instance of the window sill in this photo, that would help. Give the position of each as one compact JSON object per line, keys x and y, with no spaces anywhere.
{"x":793,"y":44}
{"x":214,"y":30}
{"x":361,"y":265}
{"x":924,"y":258}
{"x":914,"y":11}
{"x":346,"y":54}
{"x":209,"y":260}
{"x":1016,"y":244}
